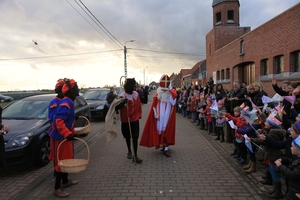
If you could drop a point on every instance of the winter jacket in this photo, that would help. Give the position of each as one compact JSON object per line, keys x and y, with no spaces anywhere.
{"x":249,"y":130}
{"x":291,"y":170}
{"x":220,"y":117}
{"x":271,"y":153}
{"x":286,"y":144}
{"x":287,"y":106}
{"x":220,"y":94}
{"x":207,"y":113}
{"x":239,"y":122}
{"x":257,"y":98}
{"x":240,"y":94}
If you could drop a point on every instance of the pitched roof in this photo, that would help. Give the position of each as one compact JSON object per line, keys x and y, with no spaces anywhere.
{"x":215,"y":2}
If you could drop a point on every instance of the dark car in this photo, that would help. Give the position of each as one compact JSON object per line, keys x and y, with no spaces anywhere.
{"x":96,"y":98}
{"x":28,"y":140}
{"x":118,"y":90}
{"x":4,"y":98}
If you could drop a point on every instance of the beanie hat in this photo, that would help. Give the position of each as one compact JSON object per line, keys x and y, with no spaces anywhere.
{"x":296,"y":141}
{"x":297,"y":127}
{"x":220,"y":102}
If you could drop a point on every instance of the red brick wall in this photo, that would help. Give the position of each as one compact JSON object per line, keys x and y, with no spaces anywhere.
{"x":279,"y":36}
{"x":223,"y":8}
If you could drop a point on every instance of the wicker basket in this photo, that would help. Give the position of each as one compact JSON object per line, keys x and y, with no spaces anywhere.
{"x":73,"y":165}
{"x":82,"y":126}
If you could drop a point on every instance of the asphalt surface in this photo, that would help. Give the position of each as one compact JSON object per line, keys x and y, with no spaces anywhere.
{"x":199,"y":168}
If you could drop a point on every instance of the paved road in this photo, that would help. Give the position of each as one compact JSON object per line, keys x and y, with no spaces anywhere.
{"x":199,"y":168}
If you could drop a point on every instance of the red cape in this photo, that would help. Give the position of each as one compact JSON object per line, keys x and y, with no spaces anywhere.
{"x":150,"y":137}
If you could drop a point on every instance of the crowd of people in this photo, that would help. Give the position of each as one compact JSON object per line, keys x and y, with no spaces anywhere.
{"x":255,"y":122}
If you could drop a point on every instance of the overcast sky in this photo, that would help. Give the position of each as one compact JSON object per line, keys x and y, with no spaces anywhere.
{"x":169,"y":35}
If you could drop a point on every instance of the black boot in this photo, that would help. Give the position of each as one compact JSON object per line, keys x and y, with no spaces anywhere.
{"x":218,"y":137}
{"x":135,"y":159}
{"x":277,"y":194}
{"x":268,"y":180}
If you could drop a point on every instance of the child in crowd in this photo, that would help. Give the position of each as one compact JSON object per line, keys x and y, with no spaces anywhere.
{"x":213,"y":113}
{"x":220,"y":120}
{"x":239,"y":122}
{"x":201,"y":108}
{"x":208,"y":115}
{"x":251,"y":131}
{"x":183,"y":103}
{"x":272,"y":129}
{"x":291,"y":170}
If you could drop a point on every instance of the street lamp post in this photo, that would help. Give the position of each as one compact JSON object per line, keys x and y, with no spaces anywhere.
{"x":125,"y":61}
{"x":144,"y":76}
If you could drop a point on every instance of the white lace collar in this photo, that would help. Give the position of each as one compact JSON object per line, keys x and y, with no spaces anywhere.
{"x":134,"y":95}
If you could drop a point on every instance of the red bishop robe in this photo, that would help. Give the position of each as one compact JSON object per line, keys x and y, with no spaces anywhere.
{"x":150,"y":136}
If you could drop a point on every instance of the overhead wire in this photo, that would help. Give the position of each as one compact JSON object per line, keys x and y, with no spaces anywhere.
{"x":111,"y":40}
{"x":106,"y":30}
{"x":42,"y":57}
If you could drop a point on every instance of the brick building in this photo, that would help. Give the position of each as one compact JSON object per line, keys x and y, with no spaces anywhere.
{"x":237,"y":53}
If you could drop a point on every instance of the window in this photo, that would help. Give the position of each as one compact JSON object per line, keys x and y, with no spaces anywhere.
{"x":264,"y":69}
{"x":204,"y":74}
{"x":295,"y":61}
{"x":227,"y":73}
{"x":230,"y":16}
{"x":242,"y":44}
{"x":218,"y":17}
{"x":218,"y":75}
{"x":278,"y":64}
{"x":222,"y":74}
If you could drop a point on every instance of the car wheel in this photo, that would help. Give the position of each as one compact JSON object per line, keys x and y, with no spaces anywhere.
{"x":43,"y":151}
{"x":2,"y":100}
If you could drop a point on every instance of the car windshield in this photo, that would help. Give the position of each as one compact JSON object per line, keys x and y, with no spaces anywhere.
{"x":118,"y":90}
{"x":26,"y":110}
{"x":95,"y":95}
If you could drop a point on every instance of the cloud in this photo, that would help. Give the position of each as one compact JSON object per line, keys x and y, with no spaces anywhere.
{"x":67,"y":37}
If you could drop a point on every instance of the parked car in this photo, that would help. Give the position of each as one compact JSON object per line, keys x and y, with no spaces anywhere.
{"x":28,"y":140}
{"x":118,"y":90}
{"x":96,"y":99}
{"x":4,"y":98}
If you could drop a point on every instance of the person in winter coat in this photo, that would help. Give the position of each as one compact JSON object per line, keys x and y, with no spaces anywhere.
{"x":251,"y":131}
{"x":220,"y":120}
{"x":258,"y":93}
{"x":287,"y":105}
{"x":239,"y":150}
{"x":201,"y":108}
{"x":250,"y":95}
{"x":237,"y":95}
{"x":273,"y":129}
{"x":291,"y":170}
{"x":220,"y":92}
{"x":208,"y":115}
{"x":286,"y":144}
{"x":111,"y":96}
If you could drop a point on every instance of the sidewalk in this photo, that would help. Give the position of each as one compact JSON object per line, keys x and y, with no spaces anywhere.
{"x":199,"y":168}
